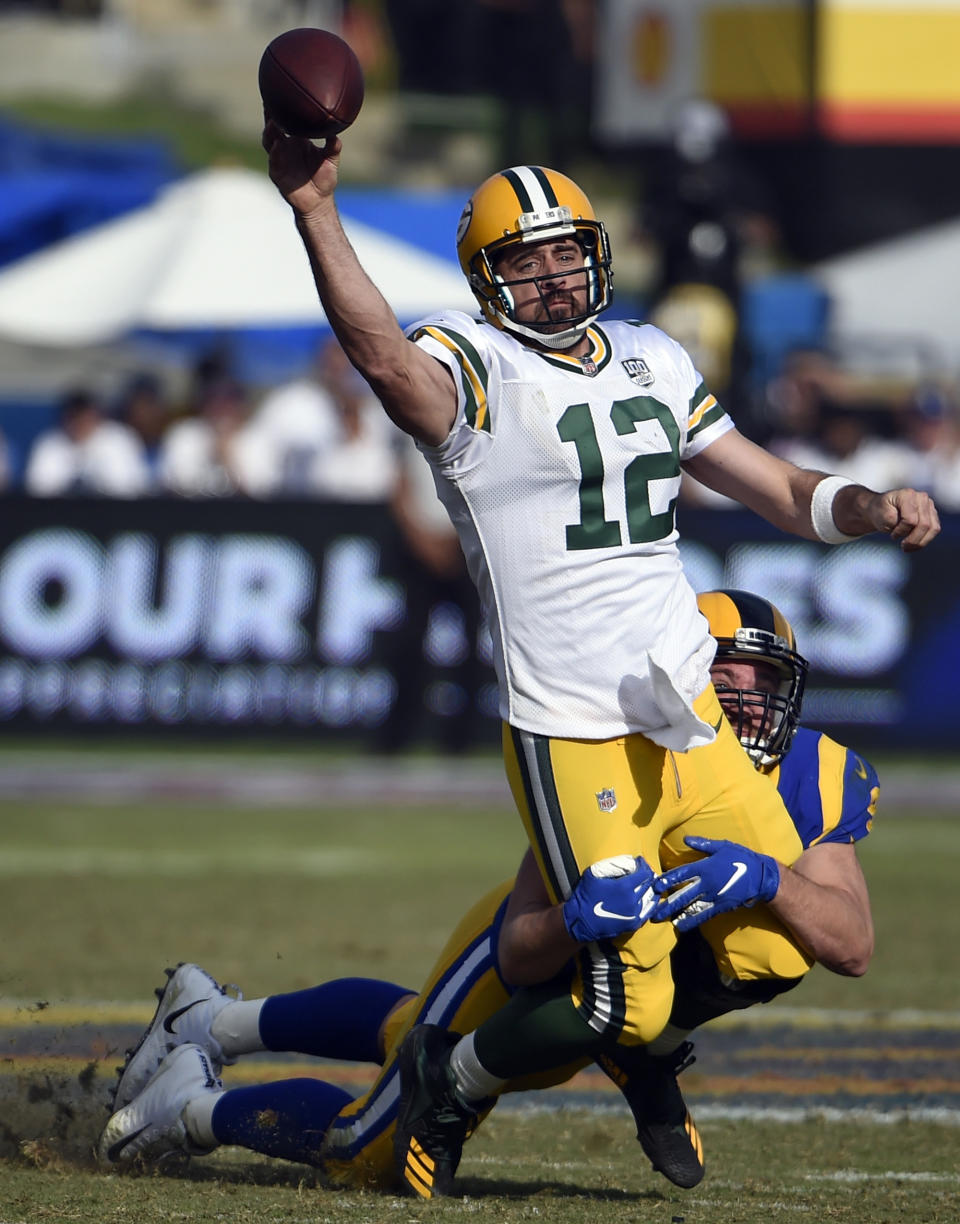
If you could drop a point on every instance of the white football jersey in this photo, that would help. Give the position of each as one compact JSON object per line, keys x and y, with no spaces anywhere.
{"x":561,"y":475}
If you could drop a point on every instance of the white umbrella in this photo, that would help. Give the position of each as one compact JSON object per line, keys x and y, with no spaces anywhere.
{"x":216,"y":250}
{"x":906,"y":287}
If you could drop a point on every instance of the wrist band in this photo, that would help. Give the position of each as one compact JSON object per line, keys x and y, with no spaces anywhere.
{"x":821,"y":510}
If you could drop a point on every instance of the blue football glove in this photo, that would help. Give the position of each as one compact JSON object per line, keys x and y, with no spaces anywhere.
{"x":613,"y":897}
{"x":730,"y":876}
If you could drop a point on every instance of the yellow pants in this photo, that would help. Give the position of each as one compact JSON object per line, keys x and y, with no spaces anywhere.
{"x":584,"y":800}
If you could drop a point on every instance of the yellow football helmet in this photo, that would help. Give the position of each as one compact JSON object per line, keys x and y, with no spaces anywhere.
{"x":531,"y":204}
{"x":749,"y":629}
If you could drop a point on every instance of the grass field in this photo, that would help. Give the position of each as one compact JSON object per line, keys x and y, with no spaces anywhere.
{"x":99,"y":890}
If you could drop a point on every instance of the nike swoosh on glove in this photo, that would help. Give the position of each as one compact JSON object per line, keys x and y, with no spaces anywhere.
{"x":612,"y":897}
{"x":728,"y":877}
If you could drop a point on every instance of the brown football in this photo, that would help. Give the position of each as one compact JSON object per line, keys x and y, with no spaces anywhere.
{"x":311,"y":83}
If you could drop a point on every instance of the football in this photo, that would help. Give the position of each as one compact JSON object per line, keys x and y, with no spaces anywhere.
{"x":311,"y":83}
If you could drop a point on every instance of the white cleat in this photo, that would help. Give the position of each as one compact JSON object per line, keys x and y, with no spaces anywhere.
{"x":151,"y":1125}
{"x":185,"y":1012}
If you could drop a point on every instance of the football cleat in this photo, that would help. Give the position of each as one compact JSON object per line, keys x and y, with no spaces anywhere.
{"x":185,"y":1011}
{"x":665,"y":1128}
{"x":432,"y":1121}
{"x":150,"y":1126}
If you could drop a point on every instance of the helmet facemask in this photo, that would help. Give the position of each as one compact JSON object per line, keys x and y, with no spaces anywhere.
{"x":550,"y":222}
{"x":765,"y":722}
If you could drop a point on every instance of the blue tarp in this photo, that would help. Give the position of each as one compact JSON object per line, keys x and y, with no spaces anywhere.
{"x":54,"y":184}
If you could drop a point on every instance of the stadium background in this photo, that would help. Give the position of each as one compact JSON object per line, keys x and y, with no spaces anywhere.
{"x":190,"y":691}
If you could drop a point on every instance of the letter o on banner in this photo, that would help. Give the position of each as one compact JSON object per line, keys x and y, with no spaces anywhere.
{"x":51,"y":584}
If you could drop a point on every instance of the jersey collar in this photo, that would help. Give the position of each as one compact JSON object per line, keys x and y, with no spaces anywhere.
{"x":591,"y":364}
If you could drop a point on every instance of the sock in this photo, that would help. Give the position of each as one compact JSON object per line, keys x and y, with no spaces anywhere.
{"x":537,"y":1030}
{"x":473,"y":1081}
{"x":197,"y":1116}
{"x":287,"y":1118}
{"x":338,"y":1019}
{"x":236,"y":1027}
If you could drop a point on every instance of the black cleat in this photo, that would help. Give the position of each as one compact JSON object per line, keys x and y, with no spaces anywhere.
{"x":667,"y":1132}
{"x":432,"y":1122}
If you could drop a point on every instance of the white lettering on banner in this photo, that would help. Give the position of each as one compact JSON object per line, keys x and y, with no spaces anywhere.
{"x":139,"y":625}
{"x":262,"y":587}
{"x":61,"y":591}
{"x":844,"y":603}
{"x":866,"y":625}
{"x":354,"y":600}
{"x":51,"y":585}
{"x":196,"y":694}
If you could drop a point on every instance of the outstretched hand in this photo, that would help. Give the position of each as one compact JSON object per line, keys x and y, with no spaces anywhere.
{"x":905,"y":515}
{"x":305,"y":173}
{"x":728,"y":877}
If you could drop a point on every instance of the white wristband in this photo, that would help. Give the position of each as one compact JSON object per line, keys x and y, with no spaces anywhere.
{"x":821,"y":510}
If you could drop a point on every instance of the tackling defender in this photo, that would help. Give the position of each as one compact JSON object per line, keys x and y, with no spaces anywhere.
{"x":517,"y":937}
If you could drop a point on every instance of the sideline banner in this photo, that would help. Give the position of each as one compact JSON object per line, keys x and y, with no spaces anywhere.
{"x":227,"y":616}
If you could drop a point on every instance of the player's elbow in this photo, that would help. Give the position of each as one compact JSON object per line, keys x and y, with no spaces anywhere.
{"x":517,"y":968}
{"x":852,"y":958}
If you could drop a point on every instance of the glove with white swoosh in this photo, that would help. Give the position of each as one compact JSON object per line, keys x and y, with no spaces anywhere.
{"x":612,"y":897}
{"x":728,"y":877}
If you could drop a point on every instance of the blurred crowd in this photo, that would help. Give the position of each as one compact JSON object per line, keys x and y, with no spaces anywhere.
{"x":320,"y":436}
{"x":324,"y":436}
{"x":882,"y":434}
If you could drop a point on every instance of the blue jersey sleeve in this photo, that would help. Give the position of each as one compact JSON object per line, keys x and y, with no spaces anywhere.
{"x":830,"y":791}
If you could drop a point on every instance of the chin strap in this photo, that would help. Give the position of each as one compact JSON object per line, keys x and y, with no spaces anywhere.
{"x":552,"y":340}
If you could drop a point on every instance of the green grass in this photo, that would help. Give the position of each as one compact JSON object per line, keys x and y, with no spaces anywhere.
{"x":103,"y":894}
{"x":270,"y":899}
{"x":96,"y":897}
{"x":566,"y":1168}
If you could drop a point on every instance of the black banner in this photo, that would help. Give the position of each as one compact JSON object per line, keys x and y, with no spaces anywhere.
{"x":223,"y":615}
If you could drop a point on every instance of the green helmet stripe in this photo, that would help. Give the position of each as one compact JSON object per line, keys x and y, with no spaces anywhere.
{"x":544,"y":182}
{"x":526,"y":204}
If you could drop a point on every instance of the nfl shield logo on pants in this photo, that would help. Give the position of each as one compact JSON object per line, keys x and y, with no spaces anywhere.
{"x":606,"y":800}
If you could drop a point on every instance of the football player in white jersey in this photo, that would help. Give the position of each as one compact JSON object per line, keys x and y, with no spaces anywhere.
{"x":557,"y":446}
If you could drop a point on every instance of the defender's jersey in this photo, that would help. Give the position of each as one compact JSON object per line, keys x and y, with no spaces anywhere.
{"x":561,"y":476}
{"x":830,"y":792}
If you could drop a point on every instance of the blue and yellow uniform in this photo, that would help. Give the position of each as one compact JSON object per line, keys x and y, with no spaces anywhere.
{"x":831,"y":794}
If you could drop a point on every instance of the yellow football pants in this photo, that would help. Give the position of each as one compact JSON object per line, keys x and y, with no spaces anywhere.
{"x":584,"y":800}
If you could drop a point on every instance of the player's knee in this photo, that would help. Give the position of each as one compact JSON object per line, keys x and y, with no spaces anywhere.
{"x":645,"y":1018}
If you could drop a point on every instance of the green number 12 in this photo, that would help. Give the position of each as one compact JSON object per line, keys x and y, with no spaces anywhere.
{"x":594,"y":530}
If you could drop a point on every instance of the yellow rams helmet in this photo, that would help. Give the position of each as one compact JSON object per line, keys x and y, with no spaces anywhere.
{"x":749,"y":629}
{"x":531,"y":204}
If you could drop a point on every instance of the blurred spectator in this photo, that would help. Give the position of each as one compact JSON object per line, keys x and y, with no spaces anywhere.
{"x":86,"y":454}
{"x":831,"y":420}
{"x":143,"y":406}
{"x":442,"y":604}
{"x":360,"y":462}
{"x":326,"y":435}
{"x":849,"y":444}
{"x":212,"y":453}
{"x":931,"y":427}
